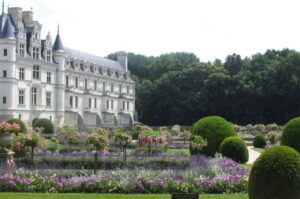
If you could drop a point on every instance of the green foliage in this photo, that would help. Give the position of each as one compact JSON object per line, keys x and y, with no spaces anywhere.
{"x":291,"y":134}
{"x":276,"y":174}
{"x":198,"y":145}
{"x":67,"y":135}
{"x":46,"y":124}
{"x":33,"y":121}
{"x":214,"y":129}
{"x":20,"y":122}
{"x":135,"y":134}
{"x":235,"y":148}
{"x":259,"y":141}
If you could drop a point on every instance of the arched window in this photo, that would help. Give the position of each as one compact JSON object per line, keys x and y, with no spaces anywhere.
{"x":71,"y":101}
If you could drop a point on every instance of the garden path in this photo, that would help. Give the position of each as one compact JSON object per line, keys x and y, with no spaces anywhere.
{"x":253,"y":155}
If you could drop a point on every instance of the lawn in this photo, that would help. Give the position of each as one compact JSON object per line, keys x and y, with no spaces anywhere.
{"x":260,"y":150}
{"x":172,"y":151}
{"x":110,"y":196}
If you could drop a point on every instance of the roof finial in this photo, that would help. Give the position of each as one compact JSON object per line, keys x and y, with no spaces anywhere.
{"x":3,"y":6}
{"x":58,"y":29}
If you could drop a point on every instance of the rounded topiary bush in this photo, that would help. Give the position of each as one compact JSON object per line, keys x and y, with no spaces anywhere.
{"x":214,"y":130}
{"x":276,"y":174}
{"x":235,"y":148}
{"x":291,"y":134}
{"x":259,"y":141}
{"x":33,"y":121}
{"x":20,"y":122}
{"x":46,"y":124}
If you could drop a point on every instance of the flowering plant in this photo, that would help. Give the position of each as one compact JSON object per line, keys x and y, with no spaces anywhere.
{"x":7,"y":128}
{"x":149,"y":138}
{"x":97,"y":141}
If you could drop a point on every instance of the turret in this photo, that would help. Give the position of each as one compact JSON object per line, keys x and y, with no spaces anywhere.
{"x":122,"y":59}
{"x":7,"y":62}
{"x":59,"y":58}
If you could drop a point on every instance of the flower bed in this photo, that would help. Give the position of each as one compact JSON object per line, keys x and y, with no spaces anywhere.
{"x":216,"y":175}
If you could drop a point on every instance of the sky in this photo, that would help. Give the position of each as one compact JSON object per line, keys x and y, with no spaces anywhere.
{"x":209,"y":28}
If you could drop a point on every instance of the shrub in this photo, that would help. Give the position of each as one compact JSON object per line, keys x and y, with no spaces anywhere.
{"x":198,"y":145}
{"x":291,"y":134}
{"x":33,"y":121}
{"x":235,"y":148}
{"x":214,"y":129}
{"x":259,"y":141}
{"x":46,"y":124}
{"x":23,"y":128}
{"x":276,"y":174}
{"x":135,"y":134}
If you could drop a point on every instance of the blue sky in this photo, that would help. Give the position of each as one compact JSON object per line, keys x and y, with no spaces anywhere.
{"x":209,"y":28}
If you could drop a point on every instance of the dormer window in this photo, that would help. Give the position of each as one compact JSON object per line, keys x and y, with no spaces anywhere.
{"x":21,"y":50}
{"x":35,"y":53}
{"x":48,"y":56}
{"x":81,"y":67}
{"x":92,"y":68}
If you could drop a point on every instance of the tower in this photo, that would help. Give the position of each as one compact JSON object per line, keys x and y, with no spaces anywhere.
{"x":59,"y":58}
{"x":122,"y":59}
{"x":7,"y":66}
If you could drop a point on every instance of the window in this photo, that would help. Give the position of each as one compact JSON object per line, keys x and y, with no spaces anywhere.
{"x":76,"y":82}
{"x":36,"y":72}
{"x":35,"y":53}
{"x":34,"y":96}
{"x":90,"y":102}
{"x":103,"y":87}
{"x":20,"y":116}
{"x":95,"y":85}
{"x":21,"y":73}
{"x":76,"y":101}
{"x":67,"y":81}
{"x":127,"y":89}
{"x":71,"y":101}
{"x":4,"y":100}
{"x":120,"y":89}
{"x":48,"y":99}
{"x":127,"y":106}
{"x":5,"y":52}
{"x":123,"y":105}
{"x":95,"y":103}
{"x":21,"y":97}
{"x":107,"y":104}
{"x":4,"y":73}
{"x":112,"y":104}
{"x":22,"y":50}
{"x":112,"y":88}
{"x":48,"y":77}
{"x":48,"y":56}
{"x":50,"y":118}
{"x":85,"y":84}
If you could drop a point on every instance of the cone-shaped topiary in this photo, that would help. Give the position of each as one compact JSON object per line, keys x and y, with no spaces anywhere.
{"x":276,"y":175}
{"x":20,"y":122}
{"x":235,"y":148}
{"x":214,"y":129}
{"x":291,"y":134}
{"x":259,"y":141}
{"x":46,"y":124}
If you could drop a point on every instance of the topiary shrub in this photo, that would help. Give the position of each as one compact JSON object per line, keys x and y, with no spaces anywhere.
{"x":276,"y":175}
{"x":235,"y":148}
{"x":259,"y":141}
{"x":33,"y":121}
{"x":46,"y":124}
{"x":20,"y":122}
{"x":291,"y":134}
{"x":214,"y":129}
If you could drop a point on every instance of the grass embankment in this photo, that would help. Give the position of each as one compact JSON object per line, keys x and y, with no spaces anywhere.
{"x":110,"y":196}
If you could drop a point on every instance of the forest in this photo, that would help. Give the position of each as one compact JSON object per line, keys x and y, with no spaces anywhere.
{"x":177,"y":88}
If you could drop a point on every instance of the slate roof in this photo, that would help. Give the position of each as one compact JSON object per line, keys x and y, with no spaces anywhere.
{"x":93,"y":59}
{"x":8,"y":30}
{"x":58,"y":46}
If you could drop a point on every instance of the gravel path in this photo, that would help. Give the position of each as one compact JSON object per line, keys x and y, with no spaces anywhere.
{"x":253,"y":155}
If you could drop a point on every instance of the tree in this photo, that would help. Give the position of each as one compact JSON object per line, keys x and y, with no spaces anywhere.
{"x":150,"y":138}
{"x":34,"y":139}
{"x":122,"y":139}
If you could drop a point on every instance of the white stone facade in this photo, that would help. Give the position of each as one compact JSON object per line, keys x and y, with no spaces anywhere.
{"x":39,"y":79}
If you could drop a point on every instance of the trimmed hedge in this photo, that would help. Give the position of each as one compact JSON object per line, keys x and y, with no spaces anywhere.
{"x":20,"y":122}
{"x":291,"y":134}
{"x":259,"y":141}
{"x":235,"y":148}
{"x":276,"y":175}
{"x":214,"y":129}
{"x":46,"y":124}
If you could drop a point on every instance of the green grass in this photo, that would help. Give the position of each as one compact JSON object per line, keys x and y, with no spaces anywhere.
{"x":260,"y":150}
{"x":110,"y":196}
{"x":247,"y":166}
{"x":185,"y":151}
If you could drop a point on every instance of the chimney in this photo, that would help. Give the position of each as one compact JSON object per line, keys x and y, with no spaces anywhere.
{"x":123,"y":59}
{"x":28,"y":17}
{"x":16,"y":14}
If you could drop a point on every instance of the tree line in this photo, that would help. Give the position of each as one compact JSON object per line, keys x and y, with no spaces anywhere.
{"x":177,"y":88}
